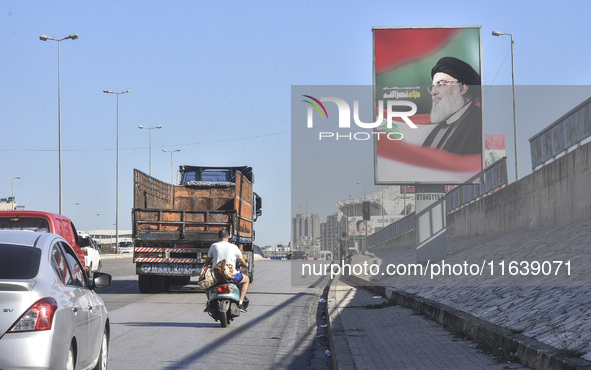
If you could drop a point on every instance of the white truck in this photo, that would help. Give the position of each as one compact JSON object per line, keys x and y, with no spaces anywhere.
{"x":92,"y":258}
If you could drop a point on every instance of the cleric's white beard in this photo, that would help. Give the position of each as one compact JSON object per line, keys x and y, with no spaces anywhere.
{"x":447,"y":106}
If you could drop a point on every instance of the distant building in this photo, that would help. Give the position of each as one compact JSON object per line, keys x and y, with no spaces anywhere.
{"x":305,"y":231}
{"x":9,"y":203}
{"x":107,"y":237}
{"x":331,"y":231}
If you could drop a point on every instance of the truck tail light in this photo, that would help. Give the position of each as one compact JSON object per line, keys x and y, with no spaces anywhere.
{"x":38,"y":317}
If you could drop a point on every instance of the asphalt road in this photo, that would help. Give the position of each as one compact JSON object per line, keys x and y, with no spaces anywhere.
{"x":283,"y":328}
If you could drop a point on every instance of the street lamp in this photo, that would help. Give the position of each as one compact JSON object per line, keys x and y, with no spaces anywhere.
{"x":171,"y":165}
{"x":150,"y":143}
{"x":362,"y":183}
{"x":75,"y":204}
{"x":364,"y":221}
{"x":117,"y":169}
{"x":73,"y":36}
{"x":499,"y":33}
{"x":12,"y":197}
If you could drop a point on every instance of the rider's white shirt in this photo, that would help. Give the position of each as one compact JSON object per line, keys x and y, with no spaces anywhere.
{"x":224,"y":250}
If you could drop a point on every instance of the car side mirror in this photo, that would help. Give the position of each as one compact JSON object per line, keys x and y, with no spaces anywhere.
{"x":101,"y":280}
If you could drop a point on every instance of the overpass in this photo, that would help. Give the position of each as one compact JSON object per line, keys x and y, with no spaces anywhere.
{"x":544,"y":217}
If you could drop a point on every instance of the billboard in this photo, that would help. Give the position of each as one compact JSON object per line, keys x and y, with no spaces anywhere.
{"x":357,"y":226}
{"x":437,"y":73}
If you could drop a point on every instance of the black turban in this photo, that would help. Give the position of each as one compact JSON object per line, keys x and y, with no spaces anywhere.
{"x":458,"y":69}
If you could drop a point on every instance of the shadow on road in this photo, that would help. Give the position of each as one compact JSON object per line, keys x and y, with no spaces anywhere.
{"x":169,"y":324}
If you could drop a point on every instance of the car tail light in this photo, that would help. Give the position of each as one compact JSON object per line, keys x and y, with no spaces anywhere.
{"x":224,"y":289}
{"x":38,"y":317}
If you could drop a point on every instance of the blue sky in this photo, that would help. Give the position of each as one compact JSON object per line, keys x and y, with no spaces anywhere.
{"x":217,"y":76}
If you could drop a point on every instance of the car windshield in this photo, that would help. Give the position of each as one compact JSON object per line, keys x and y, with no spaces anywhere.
{"x":19,"y":262}
{"x":125,"y":244}
{"x":36,"y":224}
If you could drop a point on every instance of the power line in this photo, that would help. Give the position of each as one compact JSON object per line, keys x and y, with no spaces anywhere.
{"x":145,"y":147}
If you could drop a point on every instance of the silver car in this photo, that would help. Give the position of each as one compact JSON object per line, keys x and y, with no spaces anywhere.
{"x":50,"y":316}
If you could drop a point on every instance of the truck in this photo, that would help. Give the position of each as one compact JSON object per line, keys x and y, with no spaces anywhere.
{"x":173,"y":226}
{"x":47,"y":222}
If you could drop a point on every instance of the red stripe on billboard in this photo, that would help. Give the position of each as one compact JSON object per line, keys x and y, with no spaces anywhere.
{"x":410,"y":44}
{"x":428,"y":157}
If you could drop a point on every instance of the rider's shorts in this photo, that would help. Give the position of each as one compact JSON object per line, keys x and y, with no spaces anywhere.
{"x":238,"y":277}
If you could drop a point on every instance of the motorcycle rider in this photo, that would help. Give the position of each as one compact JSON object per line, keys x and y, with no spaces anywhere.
{"x":230,"y":252}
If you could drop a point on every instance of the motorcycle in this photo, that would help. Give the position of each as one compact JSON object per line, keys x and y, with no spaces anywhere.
{"x":223,"y":302}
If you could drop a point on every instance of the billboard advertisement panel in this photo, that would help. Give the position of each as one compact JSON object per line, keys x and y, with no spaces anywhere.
{"x":357,"y":226}
{"x":437,"y":73}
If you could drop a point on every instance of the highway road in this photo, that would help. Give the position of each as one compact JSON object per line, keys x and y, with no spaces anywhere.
{"x":283,"y":328}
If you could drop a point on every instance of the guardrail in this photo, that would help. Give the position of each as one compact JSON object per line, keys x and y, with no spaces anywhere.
{"x":565,"y":133}
{"x":494,"y":176}
{"x":393,"y":230}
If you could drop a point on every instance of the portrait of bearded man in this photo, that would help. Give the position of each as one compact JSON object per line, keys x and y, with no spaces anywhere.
{"x":455,"y":94}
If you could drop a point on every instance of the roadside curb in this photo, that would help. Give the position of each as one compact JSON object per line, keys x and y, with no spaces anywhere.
{"x":339,"y":348}
{"x":529,"y":351}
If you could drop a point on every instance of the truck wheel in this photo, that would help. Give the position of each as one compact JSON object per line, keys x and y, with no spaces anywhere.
{"x":145,"y":284}
{"x":159,"y":284}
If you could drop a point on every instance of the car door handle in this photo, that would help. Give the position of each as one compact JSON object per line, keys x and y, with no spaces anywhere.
{"x":75,"y":310}
{"x":90,"y":308}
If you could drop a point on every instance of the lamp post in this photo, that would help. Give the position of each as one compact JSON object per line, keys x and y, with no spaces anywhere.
{"x":499,"y":33}
{"x":117,"y":170}
{"x":364,"y":221}
{"x":73,"y":36}
{"x":149,"y":143}
{"x":75,"y":204}
{"x":171,"y":165}
{"x":12,"y":196}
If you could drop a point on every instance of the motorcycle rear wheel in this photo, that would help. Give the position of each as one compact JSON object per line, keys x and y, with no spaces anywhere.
{"x":224,"y":319}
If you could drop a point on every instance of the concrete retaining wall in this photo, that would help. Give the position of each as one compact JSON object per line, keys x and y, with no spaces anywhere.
{"x":556,"y":194}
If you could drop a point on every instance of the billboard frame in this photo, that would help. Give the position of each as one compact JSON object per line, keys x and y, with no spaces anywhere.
{"x":377,"y":181}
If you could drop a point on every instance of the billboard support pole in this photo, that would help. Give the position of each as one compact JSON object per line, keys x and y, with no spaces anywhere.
{"x":430,"y":223}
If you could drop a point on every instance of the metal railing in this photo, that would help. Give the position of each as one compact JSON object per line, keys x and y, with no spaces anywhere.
{"x":566,"y":132}
{"x":393,"y":230}
{"x":494,"y":177}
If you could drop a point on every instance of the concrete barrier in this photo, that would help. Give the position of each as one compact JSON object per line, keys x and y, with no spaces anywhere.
{"x":556,"y":194}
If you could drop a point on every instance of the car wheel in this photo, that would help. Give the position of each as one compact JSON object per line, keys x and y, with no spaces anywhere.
{"x":104,"y":353}
{"x":70,"y":360}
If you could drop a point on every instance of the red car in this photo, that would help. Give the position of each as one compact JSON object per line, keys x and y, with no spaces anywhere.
{"x":44,"y":222}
